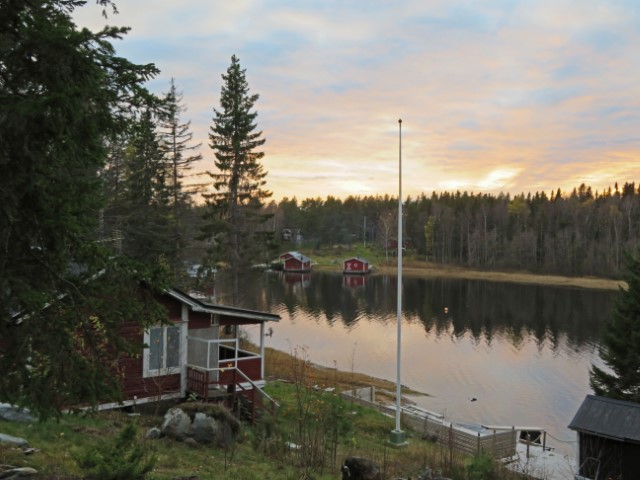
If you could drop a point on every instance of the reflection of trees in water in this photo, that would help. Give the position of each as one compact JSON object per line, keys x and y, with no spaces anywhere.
{"x":476,"y":308}
{"x":514,"y":311}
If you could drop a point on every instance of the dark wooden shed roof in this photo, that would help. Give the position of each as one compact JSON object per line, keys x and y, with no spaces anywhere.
{"x":605,"y":417}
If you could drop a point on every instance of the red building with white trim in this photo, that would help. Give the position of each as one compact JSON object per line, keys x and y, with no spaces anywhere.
{"x":295,"y":262}
{"x":356,"y":265}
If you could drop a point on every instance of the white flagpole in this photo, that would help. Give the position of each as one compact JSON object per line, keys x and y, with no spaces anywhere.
{"x":397,"y":436}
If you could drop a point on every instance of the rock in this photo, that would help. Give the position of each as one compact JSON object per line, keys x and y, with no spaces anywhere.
{"x":176,"y":424}
{"x":204,"y":429}
{"x":11,"y":413}
{"x":356,"y":468}
{"x":17,"y":473}
{"x":21,"y":442}
{"x":203,"y":424}
{"x":153,"y":433}
{"x":190,"y":442}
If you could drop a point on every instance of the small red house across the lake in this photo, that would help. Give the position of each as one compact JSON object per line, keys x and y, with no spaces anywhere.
{"x":295,"y":262}
{"x":356,"y":265}
{"x":197,"y":352}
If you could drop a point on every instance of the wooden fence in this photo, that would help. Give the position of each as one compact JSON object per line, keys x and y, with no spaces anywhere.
{"x":431,"y":426}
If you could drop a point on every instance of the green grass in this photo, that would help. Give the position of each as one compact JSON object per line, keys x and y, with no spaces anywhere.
{"x":334,"y":255}
{"x":260,"y":452}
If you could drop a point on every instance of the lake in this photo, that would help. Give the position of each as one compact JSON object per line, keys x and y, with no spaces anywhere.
{"x":523,"y":352}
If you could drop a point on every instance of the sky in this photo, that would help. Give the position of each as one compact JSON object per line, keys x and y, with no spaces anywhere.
{"x":503,"y":96}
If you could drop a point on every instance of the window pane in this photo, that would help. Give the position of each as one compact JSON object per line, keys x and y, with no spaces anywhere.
{"x":156,"y":348}
{"x":173,"y":347}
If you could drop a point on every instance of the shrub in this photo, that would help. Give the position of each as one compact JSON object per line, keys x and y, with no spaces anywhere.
{"x":123,"y":458}
{"x":481,"y":468}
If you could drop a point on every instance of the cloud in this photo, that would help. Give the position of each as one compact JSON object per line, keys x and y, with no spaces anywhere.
{"x":508,"y":95}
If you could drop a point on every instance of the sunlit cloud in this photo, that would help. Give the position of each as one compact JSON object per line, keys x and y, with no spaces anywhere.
{"x":507,"y":97}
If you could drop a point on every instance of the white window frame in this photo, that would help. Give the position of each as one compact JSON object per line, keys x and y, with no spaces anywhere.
{"x":146,"y":355}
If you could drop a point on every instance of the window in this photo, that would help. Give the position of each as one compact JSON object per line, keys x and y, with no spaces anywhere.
{"x":162,"y":356}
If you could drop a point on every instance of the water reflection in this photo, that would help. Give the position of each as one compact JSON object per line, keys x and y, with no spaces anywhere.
{"x":524,"y":351}
{"x":514,"y":312}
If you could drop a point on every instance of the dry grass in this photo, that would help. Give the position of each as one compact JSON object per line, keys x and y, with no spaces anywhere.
{"x":280,"y":365}
{"x":420,"y":268}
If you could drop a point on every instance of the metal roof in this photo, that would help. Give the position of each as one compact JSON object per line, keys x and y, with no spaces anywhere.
{"x":199,"y":306}
{"x":297,"y":255}
{"x":606,"y":417}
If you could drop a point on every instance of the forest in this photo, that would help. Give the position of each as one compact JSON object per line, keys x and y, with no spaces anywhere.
{"x":580,"y":233}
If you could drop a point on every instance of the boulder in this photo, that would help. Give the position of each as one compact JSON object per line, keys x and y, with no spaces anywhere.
{"x":18,"y":473}
{"x":204,"y":429}
{"x":153,"y":433}
{"x":21,"y":442}
{"x":176,"y":424}
{"x":356,"y":468}
{"x":203,"y":424}
{"x":11,"y":413}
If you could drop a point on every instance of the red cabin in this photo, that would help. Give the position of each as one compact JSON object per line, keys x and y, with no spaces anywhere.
{"x":295,"y":262}
{"x":197,"y":352}
{"x":356,"y":265}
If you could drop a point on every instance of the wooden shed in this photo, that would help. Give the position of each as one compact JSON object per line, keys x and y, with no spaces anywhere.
{"x":196,"y":352}
{"x":295,"y":262}
{"x":356,"y":266}
{"x":608,"y":438}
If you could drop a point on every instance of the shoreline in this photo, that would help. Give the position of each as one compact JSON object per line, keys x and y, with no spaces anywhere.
{"x":427,"y":270}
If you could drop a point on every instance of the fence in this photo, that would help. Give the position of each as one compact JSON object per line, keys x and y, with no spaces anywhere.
{"x":468,"y":439}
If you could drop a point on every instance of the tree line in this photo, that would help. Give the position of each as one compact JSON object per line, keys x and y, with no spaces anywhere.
{"x":579,"y":233}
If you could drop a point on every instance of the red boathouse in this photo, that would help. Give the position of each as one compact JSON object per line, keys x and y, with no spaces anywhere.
{"x":295,"y":262}
{"x":356,"y":265}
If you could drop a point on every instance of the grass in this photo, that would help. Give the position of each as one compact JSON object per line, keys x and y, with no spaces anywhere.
{"x":331,"y":257}
{"x":314,"y":431}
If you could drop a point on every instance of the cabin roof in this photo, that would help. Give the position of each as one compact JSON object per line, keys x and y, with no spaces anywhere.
{"x":297,"y":255}
{"x":200,"y":306}
{"x":360,"y":259}
{"x":606,"y":417}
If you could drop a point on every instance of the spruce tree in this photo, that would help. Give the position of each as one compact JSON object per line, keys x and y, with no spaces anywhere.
{"x":234,"y":219}
{"x":180,"y":157}
{"x":620,"y":343}
{"x":63,"y":94}
{"x":147,"y":235}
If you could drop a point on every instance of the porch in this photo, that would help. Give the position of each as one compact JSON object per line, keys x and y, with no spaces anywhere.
{"x":219,"y":370}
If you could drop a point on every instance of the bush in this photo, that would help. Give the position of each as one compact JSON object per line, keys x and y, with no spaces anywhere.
{"x":124,"y":458}
{"x":481,"y":468}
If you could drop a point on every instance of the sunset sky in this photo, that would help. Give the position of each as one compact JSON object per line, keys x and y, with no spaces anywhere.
{"x":495,"y":96}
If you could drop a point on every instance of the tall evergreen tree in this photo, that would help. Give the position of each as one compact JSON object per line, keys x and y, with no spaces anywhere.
{"x":146,"y":210}
{"x":235,"y":217}
{"x":180,"y":156}
{"x":620,"y":343}
{"x":63,"y":93}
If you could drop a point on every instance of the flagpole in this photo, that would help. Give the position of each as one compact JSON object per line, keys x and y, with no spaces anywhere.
{"x":397,"y":435}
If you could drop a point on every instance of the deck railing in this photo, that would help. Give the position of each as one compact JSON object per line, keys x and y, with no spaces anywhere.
{"x":209,"y":353}
{"x":201,"y":380}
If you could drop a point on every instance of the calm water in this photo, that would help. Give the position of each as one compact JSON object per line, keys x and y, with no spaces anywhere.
{"x":523,"y":351}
